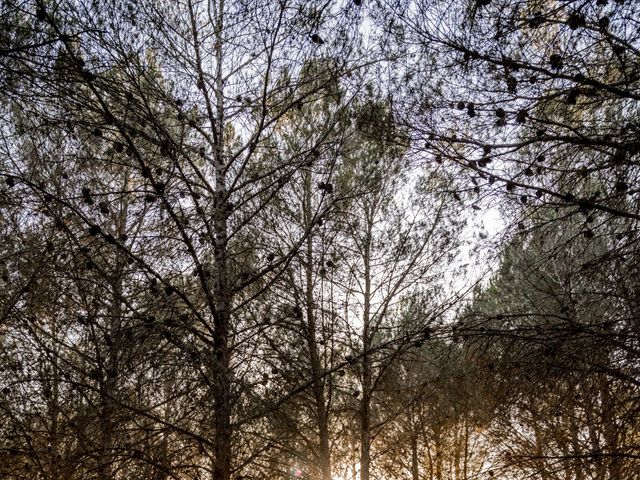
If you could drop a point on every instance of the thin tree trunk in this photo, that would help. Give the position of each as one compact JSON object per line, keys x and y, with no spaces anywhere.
{"x":465,"y":463}
{"x":457,"y":452}
{"x":610,"y":431}
{"x":322,"y":415}
{"x":544,"y":475}
{"x":107,"y":386}
{"x":576,"y":449}
{"x":222,"y":377}
{"x":438,"y":457}
{"x":108,"y":383}
{"x":415,"y":475}
{"x":54,"y":409}
{"x":221,"y":380}
{"x":365,"y":405}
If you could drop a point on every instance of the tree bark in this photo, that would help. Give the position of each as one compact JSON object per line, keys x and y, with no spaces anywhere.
{"x":415,"y":474}
{"x":319,"y":390}
{"x":365,"y":405}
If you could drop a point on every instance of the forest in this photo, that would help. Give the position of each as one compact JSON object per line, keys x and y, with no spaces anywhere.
{"x":319,"y":239}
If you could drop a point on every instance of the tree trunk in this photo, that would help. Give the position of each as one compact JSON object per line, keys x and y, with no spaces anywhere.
{"x":319,"y":393}
{"x":365,"y":405}
{"x":54,"y":409}
{"x":465,"y":462}
{"x":106,"y":432}
{"x":415,"y":475}
{"x":221,"y":381}
{"x":457,"y":452}
{"x":222,"y":288}
{"x":108,"y":383}
{"x":610,"y":431}
{"x":541,"y":463}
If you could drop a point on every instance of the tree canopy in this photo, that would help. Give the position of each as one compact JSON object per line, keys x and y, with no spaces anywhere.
{"x":315,"y":239}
